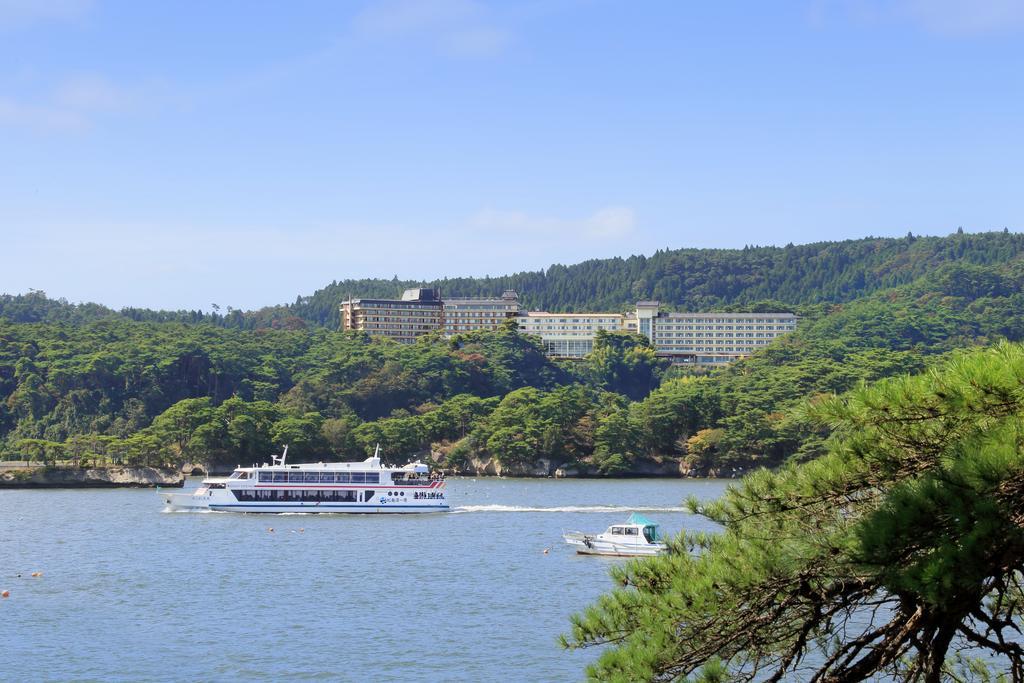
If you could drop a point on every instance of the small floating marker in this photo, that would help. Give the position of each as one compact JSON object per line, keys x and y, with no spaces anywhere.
{"x":5,"y":594}
{"x":546,"y":550}
{"x":37,"y":574}
{"x":270,"y":529}
{"x":301,"y":530}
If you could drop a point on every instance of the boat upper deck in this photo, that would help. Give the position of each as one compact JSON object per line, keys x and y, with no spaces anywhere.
{"x":368,"y":471}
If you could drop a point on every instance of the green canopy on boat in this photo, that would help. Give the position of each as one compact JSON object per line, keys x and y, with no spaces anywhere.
{"x":637,"y":518}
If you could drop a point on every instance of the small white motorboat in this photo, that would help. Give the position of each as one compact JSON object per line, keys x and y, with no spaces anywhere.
{"x":638,"y":536}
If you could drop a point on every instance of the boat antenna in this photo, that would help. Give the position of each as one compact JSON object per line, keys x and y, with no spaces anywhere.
{"x":279,"y":459}
{"x":376,"y":451}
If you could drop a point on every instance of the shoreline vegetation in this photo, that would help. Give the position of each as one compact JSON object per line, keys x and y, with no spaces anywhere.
{"x":82,"y":383}
{"x":115,"y":476}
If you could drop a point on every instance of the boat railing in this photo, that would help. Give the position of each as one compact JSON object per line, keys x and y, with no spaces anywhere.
{"x":413,"y":482}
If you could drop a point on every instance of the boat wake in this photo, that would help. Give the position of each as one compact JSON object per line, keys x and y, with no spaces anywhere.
{"x":566,"y":508}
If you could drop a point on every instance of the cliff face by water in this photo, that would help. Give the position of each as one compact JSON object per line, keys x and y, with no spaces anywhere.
{"x":99,"y":477}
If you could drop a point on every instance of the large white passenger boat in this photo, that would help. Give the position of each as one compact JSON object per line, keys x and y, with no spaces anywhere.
{"x":366,"y":486}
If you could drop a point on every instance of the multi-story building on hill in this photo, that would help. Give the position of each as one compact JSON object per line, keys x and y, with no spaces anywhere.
{"x":569,"y":335}
{"x":708,"y":338}
{"x":479,"y":313}
{"x":418,"y":312}
{"x":701,"y":338}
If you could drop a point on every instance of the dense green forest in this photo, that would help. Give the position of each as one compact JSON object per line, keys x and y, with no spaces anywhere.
{"x":86,"y":382}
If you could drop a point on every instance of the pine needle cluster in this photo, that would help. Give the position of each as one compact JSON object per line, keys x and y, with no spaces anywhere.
{"x":896,"y":555}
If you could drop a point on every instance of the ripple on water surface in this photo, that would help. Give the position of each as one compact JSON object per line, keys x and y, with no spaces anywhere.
{"x":130,"y":593}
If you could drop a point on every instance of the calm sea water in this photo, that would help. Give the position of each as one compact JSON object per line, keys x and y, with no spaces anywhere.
{"x":130,"y":592}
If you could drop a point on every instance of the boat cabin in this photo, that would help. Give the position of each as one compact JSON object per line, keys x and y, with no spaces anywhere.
{"x":649,"y":531}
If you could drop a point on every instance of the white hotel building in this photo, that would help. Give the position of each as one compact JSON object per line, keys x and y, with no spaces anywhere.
{"x":700,"y":338}
{"x":709,"y":338}
{"x":568,"y":335}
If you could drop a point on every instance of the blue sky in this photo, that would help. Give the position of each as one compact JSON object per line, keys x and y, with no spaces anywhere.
{"x":178,"y":154}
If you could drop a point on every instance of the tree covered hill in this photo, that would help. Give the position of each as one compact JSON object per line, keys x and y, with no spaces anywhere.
{"x":147,"y":386}
{"x":163,"y":392}
{"x":692,"y":279}
{"x":705,"y":279}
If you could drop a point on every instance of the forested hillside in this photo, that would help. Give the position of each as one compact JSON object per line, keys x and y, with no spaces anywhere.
{"x":705,"y":279}
{"x":89,"y":383}
{"x":692,"y":279}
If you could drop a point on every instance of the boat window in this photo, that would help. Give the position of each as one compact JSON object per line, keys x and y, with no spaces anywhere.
{"x":235,"y":475}
{"x":327,"y":477}
{"x":373,"y":477}
{"x":631,"y":531}
{"x":617,"y":530}
{"x":358,"y":477}
{"x":295,"y":477}
{"x":266,"y":476}
{"x":243,"y":475}
{"x":367,"y":496}
{"x":312,"y":477}
{"x":649,"y":533}
{"x":341,"y":477}
{"x":280,"y":476}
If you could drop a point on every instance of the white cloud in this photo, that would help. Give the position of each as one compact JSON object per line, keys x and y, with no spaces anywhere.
{"x":404,"y":17}
{"x":966,"y":17}
{"x":460,"y":28}
{"x":611,"y":222}
{"x":21,"y":13}
{"x":940,"y":17}
{"x":75,"y":103}
{"x":91,"y":93}
{"x":481,"y":41}
{"x":39,"y":116}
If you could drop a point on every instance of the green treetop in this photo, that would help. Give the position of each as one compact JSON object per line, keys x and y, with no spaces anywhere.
{"x":899,"y":550}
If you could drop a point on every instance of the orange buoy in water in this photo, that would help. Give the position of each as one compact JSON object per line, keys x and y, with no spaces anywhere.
{"x":37,"y":574}
{"x":5,"y":594}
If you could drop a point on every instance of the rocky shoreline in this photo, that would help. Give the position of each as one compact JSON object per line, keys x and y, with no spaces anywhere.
{"x":668,"y":468}
{"x":671,"y":468}
{"x":96,"y":477}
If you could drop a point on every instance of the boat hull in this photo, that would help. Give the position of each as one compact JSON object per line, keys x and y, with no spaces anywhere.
{"x":586,"y":544}
{"x":195,"y":502}
{"x":185,"y":501}
{"x":273,"y":508}
{"x":627,"y":552}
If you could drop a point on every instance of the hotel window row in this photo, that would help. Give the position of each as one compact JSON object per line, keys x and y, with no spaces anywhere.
{"x":679,"y":336}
